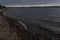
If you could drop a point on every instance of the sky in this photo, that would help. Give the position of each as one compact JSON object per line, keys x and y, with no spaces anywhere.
{"x":6,"y":2}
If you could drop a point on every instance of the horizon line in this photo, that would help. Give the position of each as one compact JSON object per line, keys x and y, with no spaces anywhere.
{"x":41,"y":5}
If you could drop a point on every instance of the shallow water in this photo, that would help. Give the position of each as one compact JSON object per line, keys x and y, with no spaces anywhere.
{"x":46,"y":17}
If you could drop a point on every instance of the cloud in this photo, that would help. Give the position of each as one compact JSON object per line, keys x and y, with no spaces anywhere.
{"x":27,"y":1}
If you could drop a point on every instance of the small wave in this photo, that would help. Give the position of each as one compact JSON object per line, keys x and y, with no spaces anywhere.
{"x":23,"y":24}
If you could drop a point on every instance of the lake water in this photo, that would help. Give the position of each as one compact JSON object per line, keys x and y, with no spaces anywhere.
{"x":52,"y":14}
{"x":46,"y":17}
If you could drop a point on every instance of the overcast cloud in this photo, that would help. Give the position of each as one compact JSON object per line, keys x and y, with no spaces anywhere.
{"x":28,"y":1}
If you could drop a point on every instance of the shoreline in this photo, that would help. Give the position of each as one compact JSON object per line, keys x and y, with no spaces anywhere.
{"x":13,"y":22}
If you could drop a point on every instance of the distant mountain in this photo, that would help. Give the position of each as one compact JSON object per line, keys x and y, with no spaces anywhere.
{"x":39,"y":5}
